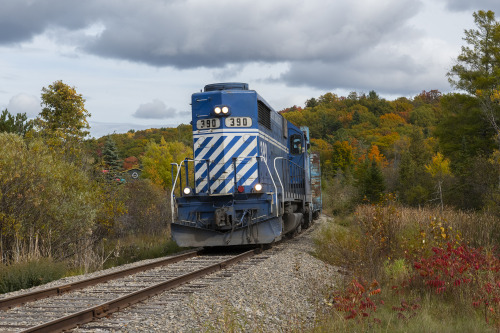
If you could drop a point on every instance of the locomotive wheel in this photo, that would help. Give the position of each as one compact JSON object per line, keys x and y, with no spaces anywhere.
{"x":307,"y":220}
{"x":298,"y":230}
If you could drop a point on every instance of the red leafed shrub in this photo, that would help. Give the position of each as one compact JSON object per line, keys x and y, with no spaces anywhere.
{"x":463,"y":270}
{"x":357,"y":300}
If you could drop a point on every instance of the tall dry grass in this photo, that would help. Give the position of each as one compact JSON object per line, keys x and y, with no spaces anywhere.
{"x":384,"y":242}
{"x":388,"y":231}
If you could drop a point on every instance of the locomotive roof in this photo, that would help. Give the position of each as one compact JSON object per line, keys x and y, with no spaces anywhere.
{"x":226,"y":86}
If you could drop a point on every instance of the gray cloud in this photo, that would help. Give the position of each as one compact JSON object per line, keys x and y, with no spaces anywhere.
{"x":327,"y":44}
{"x":23,"y":103}
{"x":187,"y":35}
{"x":21,"y":20}
{"x":399,"y":76}
{"x":192,"y":34}
{"x":467,"y":5}
{"x":154,"y":110}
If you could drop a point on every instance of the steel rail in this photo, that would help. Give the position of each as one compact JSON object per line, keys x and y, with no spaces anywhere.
{"x":105,"y":309}
{"x":10,"y":302}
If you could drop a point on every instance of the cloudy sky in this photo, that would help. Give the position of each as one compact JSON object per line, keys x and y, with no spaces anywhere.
{"x":137,"y":62}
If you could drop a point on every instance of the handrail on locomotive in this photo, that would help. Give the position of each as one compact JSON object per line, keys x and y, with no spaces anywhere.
{"x":185,"y":163}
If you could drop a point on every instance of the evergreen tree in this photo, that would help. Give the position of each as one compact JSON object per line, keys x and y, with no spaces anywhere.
{"x":478,"y":67}
{"x":110,"y":155}
{"x":371,"y":183}
{"x":415,"y":184}
{"x":374,"y":183}
{"x":18,"y":124}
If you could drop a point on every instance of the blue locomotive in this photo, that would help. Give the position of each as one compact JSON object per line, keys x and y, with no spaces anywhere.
{"x":250,"y":178}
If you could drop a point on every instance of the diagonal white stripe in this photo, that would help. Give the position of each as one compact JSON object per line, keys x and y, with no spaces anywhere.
{"x":228,"y":155}
{"x":204,"y":152}
{"x":251,"y":179}
{"x":230,"y":170}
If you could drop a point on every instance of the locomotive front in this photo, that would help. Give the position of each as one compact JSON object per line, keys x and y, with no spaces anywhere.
{"x":228,"y":190}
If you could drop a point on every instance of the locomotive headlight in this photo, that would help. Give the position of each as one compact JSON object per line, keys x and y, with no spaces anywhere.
{"x":257,"y":187}
{"x":187,"y":190}
{"x":221,"y":110}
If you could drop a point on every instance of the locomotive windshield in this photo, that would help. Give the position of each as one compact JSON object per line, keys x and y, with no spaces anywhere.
{"x":296,"y":144}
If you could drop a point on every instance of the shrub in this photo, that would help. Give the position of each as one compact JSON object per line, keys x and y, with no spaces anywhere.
{"x":28,"y":274}
{"x":148,"y":209}
{"x":47,"y":202}
{"x":339,"y":246}
{"x":138,"y":247}
{"x":339,"y":194}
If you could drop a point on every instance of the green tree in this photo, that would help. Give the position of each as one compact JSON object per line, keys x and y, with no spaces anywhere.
{"x":63,"y":114}
{"x":18,"y":124}
{"x":110,"y":155}
{"x":414,"y":182}
{"x":312,"y":102}
{"x":423,"y":116}
{"x":376,"y":105}
{"x":477,"y":70}
{"x":370,"y":183}
{"x":463,"y":132}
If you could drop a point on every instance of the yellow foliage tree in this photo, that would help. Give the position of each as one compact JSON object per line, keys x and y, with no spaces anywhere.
{"x":438,"y":169}
{"x":158,"y":158}
{"x":391,"y":120}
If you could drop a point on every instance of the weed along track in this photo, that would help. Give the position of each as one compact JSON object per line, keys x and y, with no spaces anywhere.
{"x":66,"y":307}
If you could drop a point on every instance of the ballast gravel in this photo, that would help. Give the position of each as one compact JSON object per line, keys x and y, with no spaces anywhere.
{"x":281,"y":292}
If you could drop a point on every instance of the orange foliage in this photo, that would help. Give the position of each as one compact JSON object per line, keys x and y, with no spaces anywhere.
{"x":374,"y":154}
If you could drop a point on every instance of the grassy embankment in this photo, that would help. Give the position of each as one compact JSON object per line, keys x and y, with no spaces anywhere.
{"x":31,"y":272}
{"x":412,"y":270}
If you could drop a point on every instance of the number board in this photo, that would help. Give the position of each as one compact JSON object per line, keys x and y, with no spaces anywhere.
{"x":238,"y":122}
{"x":208,"y":123}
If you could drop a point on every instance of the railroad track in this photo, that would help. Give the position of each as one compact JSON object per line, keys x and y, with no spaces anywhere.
{"x":66,"y":307}
{"x":81,"y":304}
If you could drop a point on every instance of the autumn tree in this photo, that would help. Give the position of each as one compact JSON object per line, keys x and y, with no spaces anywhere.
{"x":130,"y":163}
{"x":342,"y":157}
{"x":439,"y":168}
{"x":63,"y":114}
{"x":157,"y":161}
